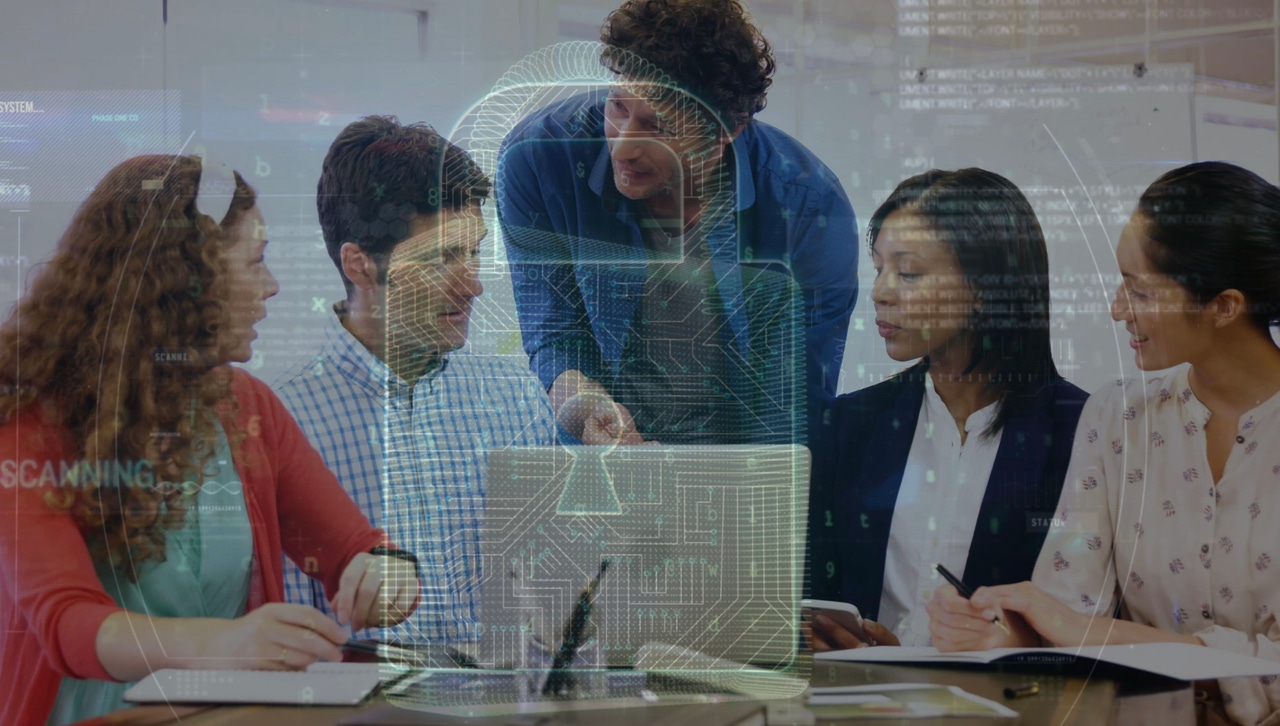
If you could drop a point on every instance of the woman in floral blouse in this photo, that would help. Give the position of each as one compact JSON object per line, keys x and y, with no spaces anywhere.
{"x":1171,"y":504}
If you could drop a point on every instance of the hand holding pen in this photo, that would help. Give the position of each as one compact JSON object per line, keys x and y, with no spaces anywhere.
{"x":560,"y":679}
{"x":1035,"y":617}
{"x":966,"y":592}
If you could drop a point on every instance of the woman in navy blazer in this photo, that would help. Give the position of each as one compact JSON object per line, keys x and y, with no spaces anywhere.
{"x":962,"y":286}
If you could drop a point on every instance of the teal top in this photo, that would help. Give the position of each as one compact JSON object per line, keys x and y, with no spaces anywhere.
{"x":205,"y":575}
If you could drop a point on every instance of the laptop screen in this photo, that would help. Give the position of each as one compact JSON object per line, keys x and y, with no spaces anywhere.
{"x":705,"y":546}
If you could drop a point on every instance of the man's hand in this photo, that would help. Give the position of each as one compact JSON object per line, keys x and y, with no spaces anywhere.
{"x":610,"y":424}
{"x":376,"y":590}
{"x":588,"y":412}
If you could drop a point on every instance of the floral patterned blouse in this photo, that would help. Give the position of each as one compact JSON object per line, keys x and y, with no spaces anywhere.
{"x":1141,"y":523}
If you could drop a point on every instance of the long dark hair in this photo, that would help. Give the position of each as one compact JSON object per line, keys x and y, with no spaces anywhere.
{"x":1214,"y":226}
{"x":996,"y":237}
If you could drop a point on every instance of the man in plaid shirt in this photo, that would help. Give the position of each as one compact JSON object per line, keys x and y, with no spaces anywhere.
{"x":405,"y":422}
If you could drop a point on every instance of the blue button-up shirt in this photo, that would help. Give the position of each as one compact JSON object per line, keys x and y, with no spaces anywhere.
{"x":785,"y":263}
{"x":412,"y":457}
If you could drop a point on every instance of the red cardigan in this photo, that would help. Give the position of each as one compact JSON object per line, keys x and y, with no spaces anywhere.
{"x":51,"y":602}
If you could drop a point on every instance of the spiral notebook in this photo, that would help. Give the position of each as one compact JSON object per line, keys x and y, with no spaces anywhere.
{"x":323,"y":684}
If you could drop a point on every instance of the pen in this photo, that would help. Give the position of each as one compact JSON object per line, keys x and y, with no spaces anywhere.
{"x":362,"y":646}
{"x":1022,"y":690}
{"x":559,"y":679}
{"x":966,"y":592}
{"x":461,"y":659}
{"x":381,"y":650}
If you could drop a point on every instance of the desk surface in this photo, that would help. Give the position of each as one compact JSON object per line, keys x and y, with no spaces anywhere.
{"x":1062,"y":700}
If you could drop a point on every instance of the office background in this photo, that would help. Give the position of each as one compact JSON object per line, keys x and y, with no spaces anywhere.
{"x":1081,"y":103}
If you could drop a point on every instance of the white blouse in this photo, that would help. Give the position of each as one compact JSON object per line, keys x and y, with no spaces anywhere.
{"x":1141,"y":520}
{"x":936,"y":512}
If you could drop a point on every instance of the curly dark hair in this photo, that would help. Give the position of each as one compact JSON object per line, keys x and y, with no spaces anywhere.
{"x":709,"y":47}
{"x":137,"y":280}
{"x":379,"y":174}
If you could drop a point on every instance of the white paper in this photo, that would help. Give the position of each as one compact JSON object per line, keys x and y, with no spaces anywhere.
{"x":837,"y":699}
{"x":385,"y":672}
{"x":876,"y":693}
{"x":172,"y":685}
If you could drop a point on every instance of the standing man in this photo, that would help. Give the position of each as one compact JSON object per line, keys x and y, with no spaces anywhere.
{"x":683,"y":273}
{"x":405,"y":422}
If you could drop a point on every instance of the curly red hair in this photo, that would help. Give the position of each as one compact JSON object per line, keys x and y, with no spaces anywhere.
{"x":117,"y":339}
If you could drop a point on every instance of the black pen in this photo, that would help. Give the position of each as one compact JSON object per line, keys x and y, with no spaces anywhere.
{"x":381,"y":650}
{"x":363,"y":646}
{"x":966,"y":592}
{"x":560,"y":679}
{"x":461,"y":659}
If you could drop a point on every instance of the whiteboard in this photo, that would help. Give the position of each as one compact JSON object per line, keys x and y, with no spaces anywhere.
{"x":1081,"y":142}
{"x":1239,"y":132}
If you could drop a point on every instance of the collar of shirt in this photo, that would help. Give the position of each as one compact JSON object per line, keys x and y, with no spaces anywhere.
{"x":1191,"y":407}
{"x":362,"y":367}
{"x":601,"y":179}
{"x":1198,"y":412}
{"x":937,"y":410}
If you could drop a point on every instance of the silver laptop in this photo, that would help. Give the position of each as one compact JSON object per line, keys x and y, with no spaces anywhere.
{"x":705,"y":546}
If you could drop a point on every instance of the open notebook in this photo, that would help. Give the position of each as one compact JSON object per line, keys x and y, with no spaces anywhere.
{"x":322,"y":684}
{"x":1180,"y":661}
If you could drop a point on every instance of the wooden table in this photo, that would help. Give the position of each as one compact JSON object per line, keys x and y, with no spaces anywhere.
{"x":1062,"y":701}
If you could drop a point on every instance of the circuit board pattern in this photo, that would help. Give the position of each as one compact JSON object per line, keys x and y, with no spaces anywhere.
{"x":705,"y":546}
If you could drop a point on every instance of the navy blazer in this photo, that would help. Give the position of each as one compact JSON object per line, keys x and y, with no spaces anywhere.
{"x":859,"y":455}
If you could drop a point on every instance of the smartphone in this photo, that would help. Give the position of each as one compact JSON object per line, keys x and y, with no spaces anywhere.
{"x":843,"y":613}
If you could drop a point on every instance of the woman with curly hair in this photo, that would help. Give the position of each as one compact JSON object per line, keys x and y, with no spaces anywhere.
{"x":147,"y":488}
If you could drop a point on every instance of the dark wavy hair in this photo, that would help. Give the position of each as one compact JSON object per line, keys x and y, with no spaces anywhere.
{"x":379,"y":175}
{"x":1214,"y":226}
{"x":709,"y":48}
{"x":996,"y":237}
{"x":136,"y":282}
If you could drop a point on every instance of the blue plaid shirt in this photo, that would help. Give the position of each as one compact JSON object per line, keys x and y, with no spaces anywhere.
{"x":412,"y":457}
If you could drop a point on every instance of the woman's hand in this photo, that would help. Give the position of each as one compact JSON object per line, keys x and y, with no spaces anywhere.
{"x":277,"y":636}
{"x":1047,"y":615}
{"x":1035,"y":617}
{"x":1032,"y":615}
{"x":823,"y":634}
{"x":376,"y":591}
{"x":956,"y":623}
